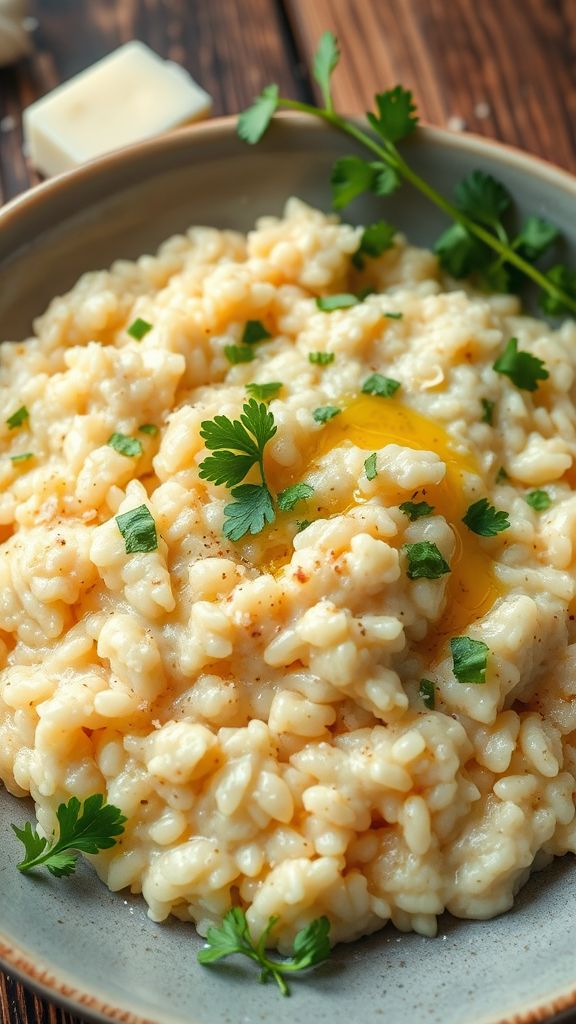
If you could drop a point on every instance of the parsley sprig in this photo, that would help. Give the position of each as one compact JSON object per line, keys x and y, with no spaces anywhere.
{"x":478,"y":241}
{"x":237,"y":447}
{"x":482,"y":518}
{"x":311,"y":946}
{"x":84,"y":828}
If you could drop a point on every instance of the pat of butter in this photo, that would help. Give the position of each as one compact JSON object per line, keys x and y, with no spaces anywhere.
{"x":131,"y":95}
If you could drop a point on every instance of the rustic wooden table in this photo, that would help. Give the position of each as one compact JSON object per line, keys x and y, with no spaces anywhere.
{"x":503,"y":68}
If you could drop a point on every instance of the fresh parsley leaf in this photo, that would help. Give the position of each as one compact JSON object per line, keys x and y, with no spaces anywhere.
{"x":478,"y":242}
{"x":483,"y":198}
{"x":238,"y":445}
{"x":536,"y":236}
{"x":350,"y":177}
{"x":149,"y":428}
{"x":416,"y":509}
{"x":289,"y":498}
{"x":249,"y":434}
{"x":84,"y":828}
{"x":251,"y":509}
{"x":325,"y":413}
{"x":325,"y":60}
{"x":311,"y":946}
{"x":539,"y":500}
{"x":231,"y":936}
{"x":427,"y":693}
{"x":460,"y":253}
{"x":264,"y":392}
{"x":328,"y":303}
{"x":139,"y":329}
{"x":523,"y":369}
{"x":483,"y":519}
{"x":18,"y":418}
{"x":469,"y":659}
{"x":254,"y":331}
{"x":253,"y":122}
{"x":559,"y":277}
{"x":24,"y":457}
{"x":385,"y":180}
{"x":370,"y":467}
{"x":376,"y":238}
{"x":138,"y":530}
{"x":302,"y":524}
{"x":226,"y":468}
{"x":498,"y":277}
{"x":394,"y":316}
{"x":425,"y":561}
{"x":376,"y":384}
{"x":488,"y":414}
{"x":129,"y":446}
{"x":396,"y":114}
{"x":239,"y":354}
{"x":321,"y":358}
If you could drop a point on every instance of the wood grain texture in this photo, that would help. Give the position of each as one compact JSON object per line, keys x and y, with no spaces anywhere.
{"x":233,"y":49}
{"x":503,"y":68}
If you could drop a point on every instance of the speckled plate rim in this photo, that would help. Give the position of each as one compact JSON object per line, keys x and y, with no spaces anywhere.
{"x":52,"y":983}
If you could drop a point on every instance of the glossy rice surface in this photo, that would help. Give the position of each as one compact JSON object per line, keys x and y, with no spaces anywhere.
{"x":254,"y":708}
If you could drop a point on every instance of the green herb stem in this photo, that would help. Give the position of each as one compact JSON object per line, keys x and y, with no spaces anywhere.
{"x":391,"y":156}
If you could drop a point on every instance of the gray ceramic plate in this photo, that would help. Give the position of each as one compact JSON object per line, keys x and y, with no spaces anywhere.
{"x":96,"y":951}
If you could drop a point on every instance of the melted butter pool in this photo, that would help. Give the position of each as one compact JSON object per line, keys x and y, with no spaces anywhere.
{"x":370,"y":423}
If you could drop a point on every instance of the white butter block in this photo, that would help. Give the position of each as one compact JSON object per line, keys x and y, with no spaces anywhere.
{"x":130,"y":95}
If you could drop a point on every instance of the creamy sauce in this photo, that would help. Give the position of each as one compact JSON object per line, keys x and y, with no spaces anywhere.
{"x":370,"y":423}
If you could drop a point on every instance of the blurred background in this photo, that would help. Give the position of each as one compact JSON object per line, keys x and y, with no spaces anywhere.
{"x":503,"y":68}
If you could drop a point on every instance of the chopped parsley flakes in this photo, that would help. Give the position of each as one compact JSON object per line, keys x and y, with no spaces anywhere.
{"x":328,"y":303}
{"x":264,"y":392}
{"x":427,"y":693}
{"x":522,"y":368}
{"x":139,"y":329}
{"x":488,"y":414}
{"x":254,"y":331}
{"x":376,"y":384}
{"x":321,"y":358}
{"x":138,"y":530}
{"x":18,"y":418}
{"x":370,"y":467}
{"x":425,"y":561}
{"x":483,"y":519}
{"x":129,"y":446}
{"x":469,"y":658}
{"x":289,"y":498}
{"x":416,"y":509}
{"x":239,"y":354}
{"x":325,"y":413}
{"x":539,"y":500}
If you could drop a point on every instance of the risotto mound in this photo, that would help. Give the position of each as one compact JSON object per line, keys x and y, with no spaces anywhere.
{"x":282,"y":718}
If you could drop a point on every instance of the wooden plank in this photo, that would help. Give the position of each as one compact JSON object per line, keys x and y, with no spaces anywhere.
{"x":496,"y":67}
{"x":232,"y":49}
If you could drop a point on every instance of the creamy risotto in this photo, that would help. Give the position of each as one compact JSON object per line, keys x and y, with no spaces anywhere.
{"x":282,"y":718}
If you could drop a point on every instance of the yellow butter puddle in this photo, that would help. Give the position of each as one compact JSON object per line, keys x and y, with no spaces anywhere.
{"x":370,"y":423}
